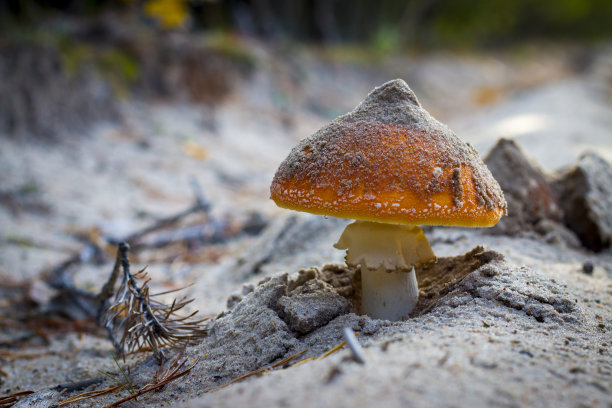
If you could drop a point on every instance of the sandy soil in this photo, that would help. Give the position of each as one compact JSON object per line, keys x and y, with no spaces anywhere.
{"x":522,"y":327}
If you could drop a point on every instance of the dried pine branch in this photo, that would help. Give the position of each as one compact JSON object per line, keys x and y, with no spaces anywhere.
{"x":135,"y":319}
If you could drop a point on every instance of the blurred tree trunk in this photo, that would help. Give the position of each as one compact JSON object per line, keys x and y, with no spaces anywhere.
{"x":412,"y":20}
{"x":326,"y":20}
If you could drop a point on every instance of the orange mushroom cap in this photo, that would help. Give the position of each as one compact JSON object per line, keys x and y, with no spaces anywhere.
{"x":389,"y":161}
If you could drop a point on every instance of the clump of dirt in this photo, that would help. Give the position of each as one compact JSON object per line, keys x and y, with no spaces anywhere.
{"x":310,"y":303}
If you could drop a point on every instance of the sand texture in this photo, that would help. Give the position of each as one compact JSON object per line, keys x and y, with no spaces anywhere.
{"x":515,"y":316}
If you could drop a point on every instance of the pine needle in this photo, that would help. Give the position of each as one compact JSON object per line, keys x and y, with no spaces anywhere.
{"x":10,"y":400}
{"x":89,"y":394}
{"x":170,"y":374}
{"x":260,"y":370}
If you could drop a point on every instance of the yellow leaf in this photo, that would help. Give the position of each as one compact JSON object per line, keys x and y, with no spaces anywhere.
{"x":169,"y":13}
{"x":194,"y":150}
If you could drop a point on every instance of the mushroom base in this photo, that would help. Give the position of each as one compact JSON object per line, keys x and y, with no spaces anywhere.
{"x":388,"y":295}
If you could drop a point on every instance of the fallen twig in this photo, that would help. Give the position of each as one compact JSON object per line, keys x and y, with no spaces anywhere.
{"x":11,"y":354}
{"x":86,"y":302}
{"x":79,"y":385}
{"x":200,"y":205}
{"x":322,"y":356}
{"x":210,"y":232}
{"x":79,"y":304}
{"x":331,"y":351}
{"x":304,"y":360}
{"x":89,"y":394}
{"x":107,"y":290}
{"x":10,"y":400}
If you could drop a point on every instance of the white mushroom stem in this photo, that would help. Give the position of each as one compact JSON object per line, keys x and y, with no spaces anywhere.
{"x":388,"y":295}
{"x":387,"y":254}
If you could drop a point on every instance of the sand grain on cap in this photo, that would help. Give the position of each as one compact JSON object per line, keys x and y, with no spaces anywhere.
{"x":389,"y":160}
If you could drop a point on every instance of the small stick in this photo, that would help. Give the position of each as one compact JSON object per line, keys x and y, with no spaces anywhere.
{"x":10,"y":400}
{"x":79,"y":385}
{"x":89,"y":394}
{"x":353,"y":344}
{"x":60,"y":280}
{"x":304,"y":360}
{"x":201,"y":204}
{"x":107,"y":290}
{"x":333,"y":350}
{"x":322,"y":356}
{"x":10,"y":354}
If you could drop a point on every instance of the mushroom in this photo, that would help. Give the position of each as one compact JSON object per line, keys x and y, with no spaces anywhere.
{"x":391,"y":166}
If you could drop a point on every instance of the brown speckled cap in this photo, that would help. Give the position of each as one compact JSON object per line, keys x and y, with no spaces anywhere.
{"x":389,"y":161}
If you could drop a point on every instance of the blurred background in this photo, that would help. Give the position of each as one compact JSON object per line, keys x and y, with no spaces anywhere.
{"x":92,"y":54}
{"x":111,"y":111}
